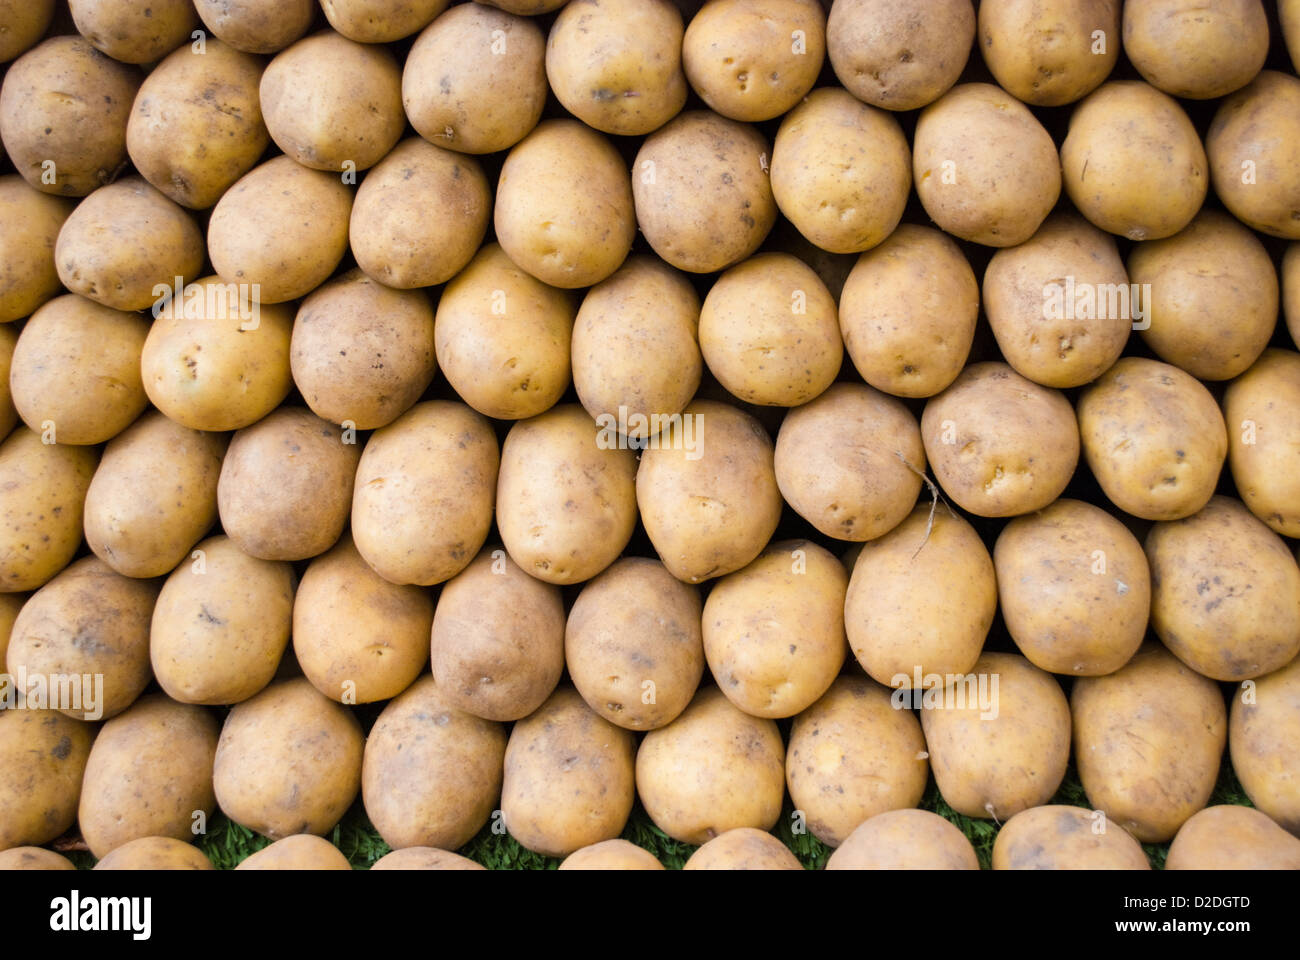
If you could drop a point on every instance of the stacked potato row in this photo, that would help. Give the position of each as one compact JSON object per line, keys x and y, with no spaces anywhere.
{"x":381,"y":425}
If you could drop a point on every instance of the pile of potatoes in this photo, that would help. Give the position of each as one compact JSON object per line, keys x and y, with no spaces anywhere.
{"x":510,"y":412}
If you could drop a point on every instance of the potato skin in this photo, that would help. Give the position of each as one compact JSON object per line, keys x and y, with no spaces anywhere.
{"x":76,"y":366}
{"x":432,"y":773}
{"x":1263,"y":744}
{"x":406,"y":534}
{"x":32,"y":219}
{"x":221,"y":624}
{"x":25,"y":23}
{"x":498,"y":639}
{"x":1148,"y":740}
{"x":1153,"y":437}
{"x":711,"y":509}
{"x":86,"y":141}
{"x":1263,"y":436}
{"x":302,"y":851}
{"x":711,"y":770}
{"x":1291,"y":290}
{"x":908,"y":311}
{"x":380,"y":21}
{"x":122,"y":30}
{"x":611,"y":855}
{"x":34,"y":858}
{"x":156,"y":853}
{"x":921,"y":598}
{"x":1288,"y":13}
{"x":190,"y":146}
{"x":1229,"y":837}
{"x":1045,"y":54}
{"x":1225,"y":595}
{"x":743,"y":848}
{"x":1062,"y":837}
{"x":288,"y":761}
{"x":153,"y":496}
{"x":568,"y":777}
{"x":886,"y":56}
{"x":1007,"y":175}
{"x":42,"y":494}
{"x":257,"y":26}
{"x":50,"y":749}
{"x":1196,"y":53}
{"x":853,"y":755}
{"x":905,"y":840}
{"x":1132,"y":163}
{"x":88,"y":620}
{"x":424,"y":858}
{"x":149,"y":772}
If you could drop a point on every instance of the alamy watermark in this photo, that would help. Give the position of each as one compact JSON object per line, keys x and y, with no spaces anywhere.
{"x":655,"y":431}
{"x":1071,"y":300}
{"x":950,"y":691}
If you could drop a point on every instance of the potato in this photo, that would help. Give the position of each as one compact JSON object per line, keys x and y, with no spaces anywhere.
{"x":288,"y":761}
{"x":1263,"y":745}
{"x":1050,"y":54}
{"x":91,"y":625}
{"x":257,"y":26}
{"x":1153,"y":437}
{"x":502,"y":337}
{"x":282,"y":229}
{"x":709,"y":506}
{"x":908,"y":312}
{"x":773,"y":631}
{"x":8,"y":413}
{"x":191,"y":145}
{"x":34,"y":858}
{"x":32,"y":222}
{"x":432,"y":773}
{"x":635,"y":345}
{"x":527,"y":8}
{"x":215,"y":359}
{"x":475,"y":79}
{"x":75,"y":371}
{"x":703,"y":196}
{"x":1211,"y":270}
{"x":711,"y":770}
{"x":302,"y":851}
{"x":853,"y":755}
{"x":1074,"y":588}
{"x":332,"y":103}
{"x":1147,"y":741}
{"x":380,"y":21}
{"x":850,"y":462}
{"x":905,"y":840}
{"x":1132,"y":162}
{"x":221,"y":624}
{"x":1229,"y":837}
{"x":1254,"y":149}
{"x":424,"y":858}
{"x":780,"y":44}
{"x":1225,"y":592}
{"x":156,"y":853}
{"x":568,"y":777}
{"x":43,"y":754}
{"x":1060,"y":304}
{"x":126,"y":32}
{"x":989,"y":464}
{"x":1291,"y":290}
{"x":25,"y":22}
{"x":743,"y":848}
{"x":1061,"y":837}
{"x":633,"y":644}
{"x":921,"y":599}
{"x":498,"y":639}
{"x":606,"y":855}
{"x":42,"y":493}
{"x":420,"y":215}
{"x":564,"y":205}
{"x":1288,"y":13}
{"x":153,"y":496}
{"x":985,"y":169}
{"x":424,"y":493}
{"x":63,"y":114}
{"x":616,"y":65}
{"x":10,"y":604}
{"x":149,"y":775}
{"x":357,"y":637}
{"x":1263,"y":436}
{"x":361,"y":352}
{"x":1193,"y":52}
{"x":887,"y":56}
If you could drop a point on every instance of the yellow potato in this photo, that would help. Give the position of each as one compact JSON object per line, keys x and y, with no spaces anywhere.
{"x":132,"y":32}
{"x":10,"y":604}
{"x":32,"y":222}
{"x":743,"y":848}
{"x":1193,"y":51}
{"x":527,"y":8}
{"x":34,"y":858}
{"x":257,"y":26}
{"x":302,"y":851}
{"x":606,"y":855}
{"x":153,"y":496}
{"x":380,"y":21}
{"x":156,"y":853}
{"x":45,"y":755}
{"x":424,"y":858}
{"x":25,"y":22}
{"x":1263,"y":744}
{"x":905,"y":840}
{"x":1232,"y":838}
{"x":8,"y":413}
{"x":1061,"y":837}
{"x":908,"y":312}
{"x":1263,"y":436}
{"x":1049,"y":54}
{"x":1148,"y":740}
{"x":1291,"y":290}
{"x":1288,"y":12}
